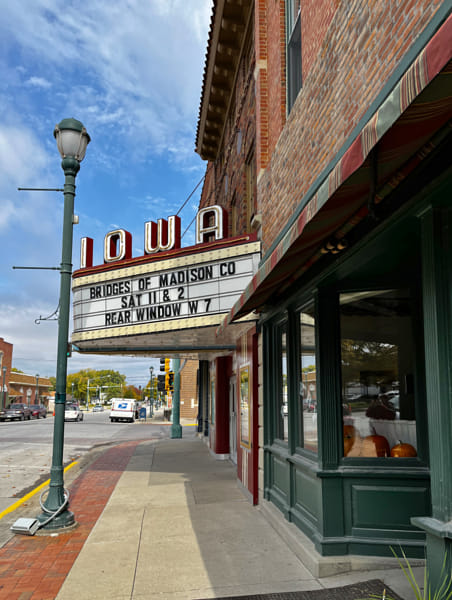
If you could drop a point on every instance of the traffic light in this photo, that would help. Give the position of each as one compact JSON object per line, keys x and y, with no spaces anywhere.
{"x":69,"y":350}
{"x":161,"y":383}
{"x":165,"y":364}
{"x":171,"y":381}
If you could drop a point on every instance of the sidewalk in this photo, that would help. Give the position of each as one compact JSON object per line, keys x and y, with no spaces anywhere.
{"x":163,"y":519}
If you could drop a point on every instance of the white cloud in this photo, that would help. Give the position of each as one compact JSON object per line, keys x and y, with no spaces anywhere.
{"x":38,"y":82}
{"x":143,"y":69}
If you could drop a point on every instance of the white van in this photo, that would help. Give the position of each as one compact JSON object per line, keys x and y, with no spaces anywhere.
{"x":122,"y":409}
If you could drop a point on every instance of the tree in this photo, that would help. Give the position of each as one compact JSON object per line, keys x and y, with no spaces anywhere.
{"x":132,"y":392}
{"x":105,"y":383}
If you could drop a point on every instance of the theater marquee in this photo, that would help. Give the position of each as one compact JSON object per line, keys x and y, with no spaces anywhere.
{"x":171,"y":300}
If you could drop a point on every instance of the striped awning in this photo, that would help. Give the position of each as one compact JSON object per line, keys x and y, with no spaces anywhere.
{"x":415,"y":115}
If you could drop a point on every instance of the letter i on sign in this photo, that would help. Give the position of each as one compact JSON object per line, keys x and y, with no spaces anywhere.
{"x":86,"y":252}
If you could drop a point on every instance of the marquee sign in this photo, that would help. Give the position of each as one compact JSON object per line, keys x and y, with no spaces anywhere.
{"x":130,"y":302}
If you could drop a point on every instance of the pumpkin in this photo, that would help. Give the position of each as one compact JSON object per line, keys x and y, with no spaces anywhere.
{"x":375,"y":445}
{"x":403,"y":450}
{"x":350,"y":437}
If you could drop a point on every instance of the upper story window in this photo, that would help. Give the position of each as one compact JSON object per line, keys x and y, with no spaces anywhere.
{"x":293,"y":51}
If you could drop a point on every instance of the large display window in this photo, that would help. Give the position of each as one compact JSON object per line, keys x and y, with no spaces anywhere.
{"x":377,"y":367}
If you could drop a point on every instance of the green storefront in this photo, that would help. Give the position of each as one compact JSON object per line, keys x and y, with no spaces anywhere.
{"x":355,"y":301}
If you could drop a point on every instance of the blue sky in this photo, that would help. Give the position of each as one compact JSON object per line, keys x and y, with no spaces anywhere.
{"x":131,"y":71}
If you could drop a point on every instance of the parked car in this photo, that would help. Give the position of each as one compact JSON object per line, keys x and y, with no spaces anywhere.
{"x":98,"y":408}
{"x":16,"y":412}
{"x":72,"y":412}
{"x":38,"y":411}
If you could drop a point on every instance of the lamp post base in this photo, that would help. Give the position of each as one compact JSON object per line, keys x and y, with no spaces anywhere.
{"x":176,"y":431}
{"x":62,"y":521}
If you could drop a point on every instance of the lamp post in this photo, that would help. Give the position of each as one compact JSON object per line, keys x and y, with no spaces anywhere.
{"x":4,"y":369}
{"x":72,"y":140}
{"x":151,"y":393}
{"x":37,"y":389}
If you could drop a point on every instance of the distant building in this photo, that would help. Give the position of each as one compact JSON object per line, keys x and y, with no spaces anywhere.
{"x":20,"y":387}
{"x":29,"y":389}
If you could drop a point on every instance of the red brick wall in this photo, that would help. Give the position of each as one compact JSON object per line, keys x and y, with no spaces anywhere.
{"x":276,"y":72}
{"x":349,"y":51}
{"x":7,"y":360}
{"x":189,"y":390}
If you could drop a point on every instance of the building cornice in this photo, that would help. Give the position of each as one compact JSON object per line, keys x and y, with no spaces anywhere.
{"x":228,"y":27}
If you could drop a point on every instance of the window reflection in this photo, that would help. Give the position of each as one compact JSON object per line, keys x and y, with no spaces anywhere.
{"x":283,"y":406}
{"x":308,"y":380}
{"x":377,"y":365}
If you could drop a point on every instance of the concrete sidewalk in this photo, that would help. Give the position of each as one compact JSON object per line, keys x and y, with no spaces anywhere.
{"x":177,"y":526}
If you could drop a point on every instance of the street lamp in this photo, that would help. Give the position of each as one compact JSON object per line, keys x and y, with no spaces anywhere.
{"x":72,"y":140}
{"x":151,"y":393}
{"x":4,"y":369}
{"x":37,"y":389}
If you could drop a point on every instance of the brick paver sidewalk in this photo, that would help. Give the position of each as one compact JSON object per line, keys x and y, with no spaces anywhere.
{"x":34,"y":568}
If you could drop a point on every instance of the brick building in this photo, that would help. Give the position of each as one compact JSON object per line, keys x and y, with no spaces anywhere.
{"x":6,"y":359}
{"x":29,"y":389}
{"x":326,"y":127}
{"x":20,"y":387}
{"x":189,"y":390}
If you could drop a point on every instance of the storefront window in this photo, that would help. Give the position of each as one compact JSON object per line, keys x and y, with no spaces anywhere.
{"x":282,"y":391}
{"x":308,"y":381}
{"x":245,"y":407}
{"x":377,"y":366}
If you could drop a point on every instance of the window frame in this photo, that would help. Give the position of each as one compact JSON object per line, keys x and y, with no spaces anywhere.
{"x":418,"y":373}
{"x":293,"y":54}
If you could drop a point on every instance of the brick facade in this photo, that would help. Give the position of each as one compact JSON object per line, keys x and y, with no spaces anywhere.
{"x":349,"y":51}
{"x":6,"y":353}
{"x":189,"y":390}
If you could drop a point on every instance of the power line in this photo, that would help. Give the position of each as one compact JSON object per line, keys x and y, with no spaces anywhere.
{"x":193,"y":191}
{"x":190,"y":195}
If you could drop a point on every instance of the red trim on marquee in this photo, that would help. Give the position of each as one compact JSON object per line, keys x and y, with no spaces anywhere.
{"x":175,"y":253}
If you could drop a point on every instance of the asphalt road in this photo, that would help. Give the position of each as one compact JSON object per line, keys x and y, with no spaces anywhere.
{"x":26,"y":447}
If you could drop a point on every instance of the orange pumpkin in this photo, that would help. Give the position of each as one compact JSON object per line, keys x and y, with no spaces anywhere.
{"x":403,"y":450}
{"x":350,"y":437}
{"x":375,"y":445}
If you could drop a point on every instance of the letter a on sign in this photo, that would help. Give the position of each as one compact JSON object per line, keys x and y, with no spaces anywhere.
{"x":211,"y":221}
{"x":163,"y":235}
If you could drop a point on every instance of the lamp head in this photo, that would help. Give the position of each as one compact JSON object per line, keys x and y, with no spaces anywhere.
{"x":72,"y":139}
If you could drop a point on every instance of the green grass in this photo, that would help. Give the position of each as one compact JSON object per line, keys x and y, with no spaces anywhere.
{"x":443,"y":592}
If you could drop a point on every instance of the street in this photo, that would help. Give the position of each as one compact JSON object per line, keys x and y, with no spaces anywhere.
{"x":26,"y":447}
